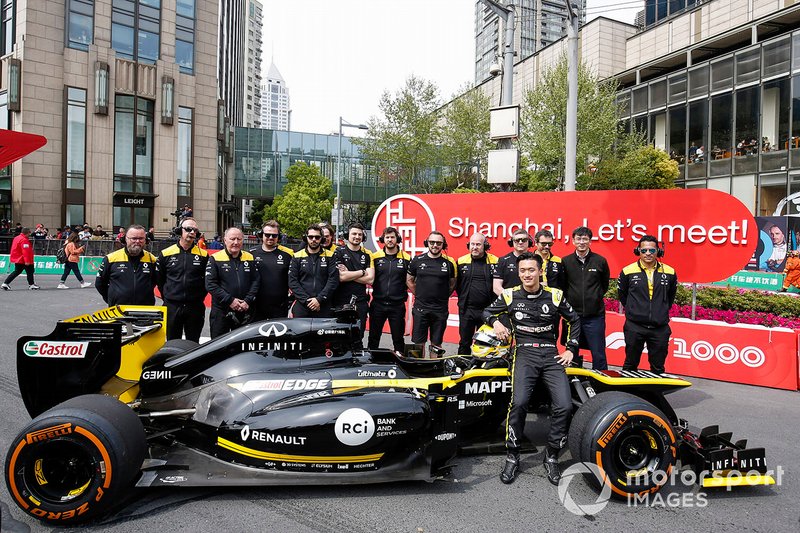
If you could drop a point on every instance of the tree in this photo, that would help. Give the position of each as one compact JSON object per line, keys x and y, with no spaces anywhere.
{"x":543,"y":124}
{"x":646,"y":167}
{"x":305,"y":200}
{"x":403,"y":143}
{"x":465,"y":137}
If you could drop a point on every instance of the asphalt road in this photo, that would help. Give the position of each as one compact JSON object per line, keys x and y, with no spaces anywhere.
{"x":472,"y":500}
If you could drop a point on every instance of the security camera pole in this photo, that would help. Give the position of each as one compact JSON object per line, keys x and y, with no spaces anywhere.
{"x":506,"y":12}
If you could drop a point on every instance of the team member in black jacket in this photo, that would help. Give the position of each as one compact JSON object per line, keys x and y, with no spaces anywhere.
{"x":355,"y":273}
{"x":585,"y":282}
{"x":551,"y":272}
{"x":647,"y":291}
{"x":313,"y":277}
{"x":389,"y":291}
{"x":534,"y":311}
{"x":505,"y":275}
{"x":180,"y":276}
{"x":431,"y":279}
{"x":233,"y":281}
{"x":474,"y":287}
{"x":128,"y":276}
{"x":273,"y":268}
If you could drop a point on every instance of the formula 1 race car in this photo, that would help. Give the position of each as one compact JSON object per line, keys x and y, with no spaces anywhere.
{"x":297,"y":401}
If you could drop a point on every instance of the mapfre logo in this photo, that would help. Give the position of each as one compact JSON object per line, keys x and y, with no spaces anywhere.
{"x":411,"y":216}
{"x":701,"y":350}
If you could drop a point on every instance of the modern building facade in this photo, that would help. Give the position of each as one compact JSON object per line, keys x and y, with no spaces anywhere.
{"x":275,"y":106}
{"x":252,"y":103}
{"x":126,"y":94}
{"x":539,"y":23}
{"x":232,"y":60}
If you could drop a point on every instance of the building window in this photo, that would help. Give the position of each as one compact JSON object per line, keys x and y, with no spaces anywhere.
{"x":698,"y":81}
{"x":775,"y":58}
{"x":721,"y":133}
{"x":135,"y":29}
{"x":133,"y":144}
{"x":80,"y":23}
{"x":722,"y":74}
{"x":747,"y":137}
{"x":748,"y":66}
{"x":7,"y":28}
{"x":184,"y":35}
{"x":75,"y":215}
{"x":698,"y":135}
{"x":75,"y":144}
{"x":185,"y":115}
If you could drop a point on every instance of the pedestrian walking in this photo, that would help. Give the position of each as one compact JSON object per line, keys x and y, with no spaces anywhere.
{"x":22,"y":258}
{"x":73,"y":252}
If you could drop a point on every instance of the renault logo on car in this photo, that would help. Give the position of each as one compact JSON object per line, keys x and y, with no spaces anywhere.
{"x":272,"y":329}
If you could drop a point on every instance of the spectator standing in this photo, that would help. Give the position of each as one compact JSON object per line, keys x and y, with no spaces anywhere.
{"x":474,"y":287}
{"x":73,"y":252}
{"x":389,"y":291}
{"x":216,"y":243}
{"x":128,"y":275}
{"x":273,"y":262}
{"x":586,"y":277}
{"x":232,"y":279}
{"x":505,"y":275}
{"x":791,"y":280}
{"x":180,"y":277}
{"x":313,"y":277}
{"x":40,"y":233}
{"x":86,"y":233}
{"x":551,"y":271}
{"x":98,"y":233}
{"x":22,"y":258}
{"x":647,"y":291}
{"x":431,"y":279}
{"x":356,"y":271}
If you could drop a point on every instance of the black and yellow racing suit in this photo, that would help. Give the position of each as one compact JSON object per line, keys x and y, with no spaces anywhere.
{"x":124,"y":279}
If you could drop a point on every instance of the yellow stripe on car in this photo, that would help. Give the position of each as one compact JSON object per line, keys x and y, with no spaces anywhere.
{"x":738,"y":480}
{"x":258,"y":454}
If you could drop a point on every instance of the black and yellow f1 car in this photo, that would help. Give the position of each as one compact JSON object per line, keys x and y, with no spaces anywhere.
{"x":297,"y":401}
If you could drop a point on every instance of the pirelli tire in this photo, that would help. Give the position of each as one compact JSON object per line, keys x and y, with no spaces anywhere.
{"x":75,"y":461}
{"x":629,"y":439}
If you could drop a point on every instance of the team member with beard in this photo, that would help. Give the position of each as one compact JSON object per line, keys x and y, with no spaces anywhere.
{"x":313,"y":277}
{"x":273,"y":267}
{"x":128,"y":276}
{"x":389,"y":291}
{"x":355,"y":268}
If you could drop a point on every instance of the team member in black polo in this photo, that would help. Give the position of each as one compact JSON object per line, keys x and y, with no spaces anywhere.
{"x":389,"y":291}
{"x":313,"y":277}
{"x":505,"y":275}
{"x":128,"y":275}
{"x":647,"y":291}
{"x":180,"y":276}
{"x":232,"y":279}
{"x":273,"y":269}
{"x":551,"y":271}
{"x":355,"y":273}
{"x":431,"y":279}
{"x":474,"y":288}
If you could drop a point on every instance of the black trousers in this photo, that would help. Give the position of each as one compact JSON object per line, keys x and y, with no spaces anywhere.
{"x":301,"y":311}
{"x":185,"y":319}
{"x":425,"y":321}
{"x":469,"y":320}
{"x":71,"y":266}
{"x":18,"y":269}
{"x":530,"y":366}
{"x":220,"y":324}
{"x":379,"y":313}
{"x":266,"y":312}
{"x":656,"y":339}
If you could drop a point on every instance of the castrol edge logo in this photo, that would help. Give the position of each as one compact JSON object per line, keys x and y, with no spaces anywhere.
{"x":65,"y":349}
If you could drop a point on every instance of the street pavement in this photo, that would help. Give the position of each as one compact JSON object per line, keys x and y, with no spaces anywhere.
{"x":473,"y":499}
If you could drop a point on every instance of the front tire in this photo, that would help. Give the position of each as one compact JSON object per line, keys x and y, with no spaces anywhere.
{"x":629,"y":439}
{"x":74,"y":461}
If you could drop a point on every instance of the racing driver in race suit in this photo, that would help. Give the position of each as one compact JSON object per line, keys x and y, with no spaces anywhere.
{"x":534,"y":312}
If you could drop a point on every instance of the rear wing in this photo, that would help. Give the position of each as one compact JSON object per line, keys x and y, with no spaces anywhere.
{"x":84,"y":354}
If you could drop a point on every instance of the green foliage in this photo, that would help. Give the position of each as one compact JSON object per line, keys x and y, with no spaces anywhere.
{"x":256,"y":216}
{"x":305,"y":200}
{"x":465,"y":137}
{"x":646,"y":167}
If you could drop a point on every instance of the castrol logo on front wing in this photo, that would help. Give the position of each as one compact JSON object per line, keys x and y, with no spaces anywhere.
{"x":60,"y":349}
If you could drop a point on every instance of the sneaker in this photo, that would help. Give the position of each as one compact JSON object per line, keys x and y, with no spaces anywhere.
{"x":85,"y":284}
{"x":62,"y":286}
{"x":34,"y":287}
{"x":552,"y":467}
{"x":5,"y":287}
{"x":510,"y":469}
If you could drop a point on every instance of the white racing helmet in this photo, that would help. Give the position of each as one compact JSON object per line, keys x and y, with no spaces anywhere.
{"x":486,"y":344}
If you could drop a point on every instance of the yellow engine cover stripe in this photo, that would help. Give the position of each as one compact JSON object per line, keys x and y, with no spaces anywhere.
{"x":257,"y":454}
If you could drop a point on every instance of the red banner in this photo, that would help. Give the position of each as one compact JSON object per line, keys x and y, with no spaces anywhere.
{"x":708,"y":235}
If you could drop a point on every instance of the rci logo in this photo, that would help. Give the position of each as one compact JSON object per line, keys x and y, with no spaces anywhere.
{"x":354,"y":426}
{"x":273,"y":329}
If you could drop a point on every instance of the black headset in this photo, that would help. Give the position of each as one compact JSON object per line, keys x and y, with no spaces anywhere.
{"x":444,"y":246}
{"x":511,"y":242}
{"x":486,"y":244}
{"x":659,"y":249}
{"x":389,"y":229}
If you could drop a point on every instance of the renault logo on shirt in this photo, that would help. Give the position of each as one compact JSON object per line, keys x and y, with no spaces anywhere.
{"x":272,"y":329}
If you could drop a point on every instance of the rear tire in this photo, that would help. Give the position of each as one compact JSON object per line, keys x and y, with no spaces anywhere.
{"x":76,"y":460}
{"x":628,"y":438}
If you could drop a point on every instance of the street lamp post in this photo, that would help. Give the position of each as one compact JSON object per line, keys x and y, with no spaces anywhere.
{"x":338,"y":202}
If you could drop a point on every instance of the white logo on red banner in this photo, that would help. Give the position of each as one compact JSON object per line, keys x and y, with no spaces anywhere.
{"x":411,"y":216}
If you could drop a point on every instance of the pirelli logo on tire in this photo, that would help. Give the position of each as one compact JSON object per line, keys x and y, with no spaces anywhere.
{"x":612,"y":430}
{"x":48,"y":433}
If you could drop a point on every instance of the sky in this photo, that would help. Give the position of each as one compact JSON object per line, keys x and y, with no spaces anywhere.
{"x":338,"y":57}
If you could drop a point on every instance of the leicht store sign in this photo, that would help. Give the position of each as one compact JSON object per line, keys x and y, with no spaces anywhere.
{"x":708,"y":236}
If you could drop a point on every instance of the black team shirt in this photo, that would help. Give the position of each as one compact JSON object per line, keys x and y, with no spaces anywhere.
{"x":358,"y":260}
{"x":273,"y":267}
{"x":507,"y":271}
{"x":433,"y":277}
{"x":390,"y":276}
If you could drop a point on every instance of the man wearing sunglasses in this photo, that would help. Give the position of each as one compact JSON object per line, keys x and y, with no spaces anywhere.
{"x":551,"y":271}
{"x":505,"y":275}
{"x":431,"y":279}
{"x":356,"y":271}
{"x":128,"y":275}
{"x":313,"y":277}
{"x":273,"y":262}
{"x":180,"y":276}
{"x":647,"y":291}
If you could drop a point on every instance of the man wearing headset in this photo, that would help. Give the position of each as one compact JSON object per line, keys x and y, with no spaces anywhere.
{"x":431,"y":279}
{"x":313,"y":277}
{"x":389,"y":292}
{"x":273,"y":262}
{"x":647,"y":291}
{"x":505,"y":275}
{"x":180,"y":276}
{"x":474,"y":287}
{"x":354,"y":264}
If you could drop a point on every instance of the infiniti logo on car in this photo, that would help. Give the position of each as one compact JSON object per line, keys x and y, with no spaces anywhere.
{"x":273,"y":329}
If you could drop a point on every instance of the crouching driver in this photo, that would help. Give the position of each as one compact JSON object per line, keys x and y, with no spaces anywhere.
{"x":534,"y":312}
